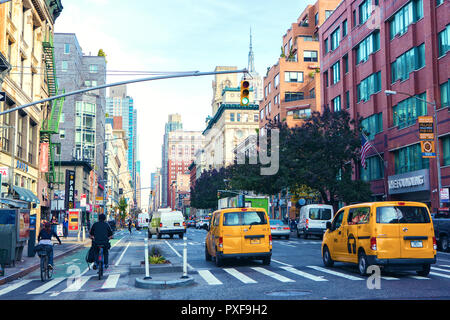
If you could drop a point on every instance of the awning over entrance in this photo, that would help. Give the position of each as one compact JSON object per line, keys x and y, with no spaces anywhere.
{"x":26,"y":195}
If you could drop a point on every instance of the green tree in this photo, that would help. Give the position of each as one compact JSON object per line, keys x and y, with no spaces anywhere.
{"x":101,"y":53}
{"x":122,"y":207}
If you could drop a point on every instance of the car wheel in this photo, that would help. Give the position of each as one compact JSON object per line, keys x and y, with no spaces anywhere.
{"x":326,"y":257}
{"x":171,"y":236}
{"x":207,"y":255}
{"x":443,"y":243}
{"x":362,"y":263}
{"x":180,"y":235}
{"x":266,"y":261}
{"x":219,"y":260}
{"x":425,"y":270}
{"x":287,"y":237}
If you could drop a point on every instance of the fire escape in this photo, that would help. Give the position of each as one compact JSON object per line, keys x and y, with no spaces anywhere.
{"x":50,"y":125}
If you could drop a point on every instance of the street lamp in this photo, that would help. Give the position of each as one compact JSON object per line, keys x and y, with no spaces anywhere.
{"x":436,"y":139}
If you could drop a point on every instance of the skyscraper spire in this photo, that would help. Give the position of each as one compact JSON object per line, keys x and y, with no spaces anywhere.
{"x":251,"y":56}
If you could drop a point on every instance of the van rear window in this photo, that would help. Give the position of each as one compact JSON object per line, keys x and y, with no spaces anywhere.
{"x":319,"y":214}
{"x":244,"y":218}
{"x":402,"y":214}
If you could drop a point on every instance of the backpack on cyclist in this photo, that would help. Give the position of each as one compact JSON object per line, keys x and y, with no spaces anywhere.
{"x":90,"y":255}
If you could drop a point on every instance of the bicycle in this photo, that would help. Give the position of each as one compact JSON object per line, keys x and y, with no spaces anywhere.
{"x":46,"y":271}
{"x":100,"y":261}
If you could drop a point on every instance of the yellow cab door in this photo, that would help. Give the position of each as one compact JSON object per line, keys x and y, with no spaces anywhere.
{"x":387,"y":232}
{"x":357,"y":230}
{"x":416,"y":232}
{"x":229,"y":239}
{"x":256,"y":231}
{"x":336,"y":239}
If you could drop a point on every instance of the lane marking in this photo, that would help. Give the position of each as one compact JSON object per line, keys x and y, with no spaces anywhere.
{"x":304,"y":274}
{"x":389,"y":278}
{"x":14,"y":286}
{"x":272,"y":274}
{"x":47,"y":286}
{"x":121,"y":256}
{"x":209,"y":278}
{"x":178,"y":254}
{"x":420,"y":278}
{"x":240,"y":276}
{"x":343,"y":275}
{"x":111,"y":282}
{"x":440,"y":275}
{"x":285,"y":264}
{"x":439,"y":269}
{"x":77,"y":284}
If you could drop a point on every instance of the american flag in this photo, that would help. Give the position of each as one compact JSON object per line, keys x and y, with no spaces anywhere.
{"x":366,"y":145}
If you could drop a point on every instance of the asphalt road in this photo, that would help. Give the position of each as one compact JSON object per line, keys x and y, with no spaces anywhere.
{"x":296,"y":272}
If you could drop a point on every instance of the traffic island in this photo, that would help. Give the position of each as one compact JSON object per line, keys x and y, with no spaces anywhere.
{"x":163,"y":281}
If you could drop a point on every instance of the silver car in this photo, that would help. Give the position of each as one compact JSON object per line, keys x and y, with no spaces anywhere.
{"x":279,"y":229}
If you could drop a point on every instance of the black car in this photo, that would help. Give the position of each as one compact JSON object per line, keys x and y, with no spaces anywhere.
{"x":441,"y":224}
{"x":112,"y":224}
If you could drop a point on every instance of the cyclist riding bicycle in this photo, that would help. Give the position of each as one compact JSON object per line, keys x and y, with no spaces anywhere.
{"x":100,"y":234}
{"x":45,"y":240}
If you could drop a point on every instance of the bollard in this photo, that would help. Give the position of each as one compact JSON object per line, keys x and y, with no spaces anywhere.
{"x":147,"y":267}
{"x":84,"y":236}
{"x":184,"y":258}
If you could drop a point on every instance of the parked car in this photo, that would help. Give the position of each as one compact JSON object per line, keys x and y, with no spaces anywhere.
{"x":313,"y":219}
{"x":191,"y":223}
{"x":239,"y":233}
{"x":202,"y":224}
{"x":279,"y":229}
{"x":441,"y":224}
{"x":394,"y":235}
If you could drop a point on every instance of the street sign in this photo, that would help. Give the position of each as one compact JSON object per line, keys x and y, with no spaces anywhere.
{"x":428,"y":149}
{"x":2,"y":96}
{"x":444,"y":195}
{"x":426,"y":131}
{"x":83,"y":200}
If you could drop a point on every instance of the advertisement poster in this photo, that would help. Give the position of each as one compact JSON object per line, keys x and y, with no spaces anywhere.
{"x":59,"y":230}
{"x":70,"y":189}
{"x":74,"y":217}
{"x":24,"y":224}
{"x":43,"y":157}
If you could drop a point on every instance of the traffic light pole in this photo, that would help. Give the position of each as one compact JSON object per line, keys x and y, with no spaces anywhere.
{"x":171,"y":76}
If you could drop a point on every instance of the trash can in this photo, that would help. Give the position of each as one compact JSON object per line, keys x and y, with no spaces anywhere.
{"x":15,"y":231}
{"x":3,"y":257}
{"x":8,"y":243}
{"x":32,"y":239}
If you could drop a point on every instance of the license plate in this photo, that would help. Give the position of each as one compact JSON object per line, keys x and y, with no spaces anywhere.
{"x":416,"y":244}
{"x":176,"y":224}
{"x":255,"y":241}
{"x":279,"y":229}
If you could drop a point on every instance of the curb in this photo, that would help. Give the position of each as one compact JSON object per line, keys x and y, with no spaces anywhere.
{"x":30,"y":269}
{"x":162,"y":284}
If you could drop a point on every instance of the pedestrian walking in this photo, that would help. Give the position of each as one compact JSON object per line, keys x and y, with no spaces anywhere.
{"x":54,"y":223}
{"x":129,"y":225}
{"x":66,"y":227}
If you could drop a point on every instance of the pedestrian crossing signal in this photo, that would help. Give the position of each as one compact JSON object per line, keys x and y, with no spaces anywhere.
{"x":245,"y":92}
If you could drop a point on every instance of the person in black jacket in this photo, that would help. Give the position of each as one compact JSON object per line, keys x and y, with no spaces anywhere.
{"x":100,"y":234}
{"x":45,"y":241}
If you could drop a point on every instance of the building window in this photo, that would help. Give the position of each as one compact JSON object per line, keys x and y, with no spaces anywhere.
{"x":325,"y":45}
{"x":290,"y":76}
{"x":367,"y":46}
{"x":337,"y":104}
{"x":64,"y":66}
{"x":255,"y":118}
{"x":369,"y":86}
{"x":232,"y":117}
{"x":66,"y":48}
{"x":407,"y":111}
{"x":439,"y":2}
{"x":336,"y":72}
{"x":269,"y":107}
{"x":93,"y":68}
{"x":445,"y":94}
{"x":328,"y":13}
{"x":293,"y":96}
{"x":409,"y":159}
{"x":365,"y":10}
{"x":62,"y":134}
{"x":325,"y":74}
{"x":373,"y":125}
{"x":300,"y":114}
{"x":347,"y":99}
{"x":335,"y":39}
{"x":411,"y":60}
{"x":316,"y":19}
{"x":374,"y":169}
{"x":276,"y":81}
{"x":407,"y":15}
{"x":344,"y":28}
{"x":444,"y":41}
{"x":312,"y":93}
{"x":309,"y":56}
{"x":345,"y":61}
{"x":238,"y":117}
{"x":446,"y":150}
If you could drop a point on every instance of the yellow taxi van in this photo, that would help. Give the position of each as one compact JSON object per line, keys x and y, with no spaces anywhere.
{"x":239,"y":233}
{"x":392,"y":234}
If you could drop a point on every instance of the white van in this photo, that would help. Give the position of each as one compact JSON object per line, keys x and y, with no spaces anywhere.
{"x":313,"y":219}
{"x":167,"y":221}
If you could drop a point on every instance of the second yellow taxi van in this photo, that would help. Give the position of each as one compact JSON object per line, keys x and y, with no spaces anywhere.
{"x":239,"y":233}
{"x":394,"y":235}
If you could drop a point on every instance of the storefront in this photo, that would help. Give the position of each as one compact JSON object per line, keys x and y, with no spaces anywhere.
{"x":411,"y":186}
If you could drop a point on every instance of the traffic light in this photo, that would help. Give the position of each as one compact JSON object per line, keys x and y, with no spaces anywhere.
{"x":245,"y":92}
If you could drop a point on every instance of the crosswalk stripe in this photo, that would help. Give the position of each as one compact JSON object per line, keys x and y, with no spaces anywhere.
{"x":77,"y":284}
{"x":14,"y":287}
{"x":208,"y":277}
{"x":389,"y":278}
{"x":440,"y":275}
{"x":339,"y":274}
{"x":111,"y":282}
{"x":46,"y":286}
{"x":420,"y":278}
{"x":240,"y":276}
{"x":304,"y":274}
{"x":285,"y":264}
{"x":439,"y":269}
{"x":272,"y":274}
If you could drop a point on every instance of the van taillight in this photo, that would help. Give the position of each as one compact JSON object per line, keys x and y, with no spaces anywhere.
{"x":307,"y":223}
{"x":184,"y":224}
{"x":270,"y":240}
{"x":160,"y":225}
{"x":434,"y":243}
{"x":373,"y":243}
{"x":221,"y":242}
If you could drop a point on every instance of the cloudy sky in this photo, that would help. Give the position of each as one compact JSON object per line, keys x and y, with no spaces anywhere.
{"x":176,"y":35}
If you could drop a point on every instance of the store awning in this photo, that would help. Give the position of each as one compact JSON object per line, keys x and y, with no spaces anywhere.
{"x":14,"y":203}
{"x":33,"y":197}
{"x":26,"y":195}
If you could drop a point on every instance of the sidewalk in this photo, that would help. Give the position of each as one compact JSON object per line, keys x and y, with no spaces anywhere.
{"x":29,"y":264}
